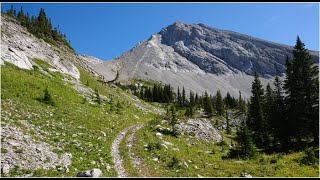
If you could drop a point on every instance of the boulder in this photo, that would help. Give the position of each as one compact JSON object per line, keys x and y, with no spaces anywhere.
{"x":5,"y":169}
{"x":90,"y":173}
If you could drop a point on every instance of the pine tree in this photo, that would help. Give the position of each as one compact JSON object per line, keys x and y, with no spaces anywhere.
{"x":268,"y":111}
{"x":279,"y":124}
{"x":192,"y":99}
{"x":207,"y":105}
{"x":302,"y":87}
{"x":98,"y":99}
{"x":245,"y":147}
{"x":183,"y":97}
{"x":179,"y":98}
{"x":256,"y":118}
{"x":47,"y":98}
{"x":228,"y":123}
{"x":219,"y":104}
{"x":173,"y":120}
{"x":241,"y":104}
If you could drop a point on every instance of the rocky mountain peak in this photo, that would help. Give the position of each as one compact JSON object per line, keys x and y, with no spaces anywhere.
{"x":210,"y":48}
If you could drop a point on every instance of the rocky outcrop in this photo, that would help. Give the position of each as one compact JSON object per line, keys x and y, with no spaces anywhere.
{"x":19,"y":47}
{"x":23,"y":151}
{"x":200,"y":128}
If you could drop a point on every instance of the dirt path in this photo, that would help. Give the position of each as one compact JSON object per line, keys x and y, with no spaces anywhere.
{"x":115,"y":153}
{"x":135,"y":159}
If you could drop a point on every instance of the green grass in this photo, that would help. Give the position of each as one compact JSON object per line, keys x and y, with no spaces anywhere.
{"x":19,"y":94}
{"x":206,"y":159}
{"x":75,"y":126}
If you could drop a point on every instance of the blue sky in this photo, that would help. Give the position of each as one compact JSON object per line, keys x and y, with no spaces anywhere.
{"x":106,"y":30}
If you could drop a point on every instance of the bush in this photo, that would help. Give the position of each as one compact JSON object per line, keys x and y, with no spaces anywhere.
{"x":310,"y":157}
{"x":174,"y":163}
{"x":47,"y":98}
{"x":154,"y":145}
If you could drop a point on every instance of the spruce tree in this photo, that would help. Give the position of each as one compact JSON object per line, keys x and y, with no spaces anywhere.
{"x":241,"y":104}
{"x":256,"y":118}
{"x":279,"y":124}
{"x":173,"y":120}
{"x":98,"y":99}
{"x":245,"y":147}
{"x":302,"y":89}
{"x":228,"y":123}
{"x":183,"y":97}
{"x":268,"y":111}
{"x":207,"y":105}
{"x":219,"y":104}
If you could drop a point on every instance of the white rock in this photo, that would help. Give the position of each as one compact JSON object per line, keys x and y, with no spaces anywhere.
{"x":96,"y":172}
{"x":155,"y":159}
{"x":159,"y":135}
{"x":108,"y":167}
{"x":5,"y":169}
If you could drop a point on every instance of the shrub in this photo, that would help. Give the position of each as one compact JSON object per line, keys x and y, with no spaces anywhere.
{"x":154,"y":145}
{"x":310,"y":156}
{"x":174,"y":162}
{"x":47,"y":98}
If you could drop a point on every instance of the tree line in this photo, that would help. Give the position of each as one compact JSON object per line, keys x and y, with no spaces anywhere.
{"x":40,"y":26}
{"x":286,"y":117}
{"x":164,"y":93}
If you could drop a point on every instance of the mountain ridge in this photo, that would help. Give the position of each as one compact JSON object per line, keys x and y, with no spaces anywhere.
{"x":209,"y":55}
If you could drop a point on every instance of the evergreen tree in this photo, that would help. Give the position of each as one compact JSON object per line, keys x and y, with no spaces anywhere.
{"x":47,"y":98}
{"x":173,"y":120}
{"x":179,"y":100}
{"x":228,"y":123}
{"x":302,"y":89}
{"x":241,"y":103}
{"x":245,"y":147}
{"x":98,"y":99}
{"x":183,"y":96}
{"x":192,"y":99}
{"x":219,"y":104}
{"x":190,"y":112}
{"x":268,"y":111}
{"x":207,"y":105}
{"x":256,"y":118}
{"x":279,"y":122}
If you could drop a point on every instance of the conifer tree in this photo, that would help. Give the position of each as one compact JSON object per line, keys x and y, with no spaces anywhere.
{"x":256,"y":118}
{"x":207,"y":105}
{"x":279,"y":124}
{"x":245,"y":147}
{"x":98,"y":99}
{"x":173,"y":120}
{"x":219,"y":104}
{"x":302,"y":89}
{"x":183,"y":97}
{"x":268,"y":111}
{"x":241,"y":103}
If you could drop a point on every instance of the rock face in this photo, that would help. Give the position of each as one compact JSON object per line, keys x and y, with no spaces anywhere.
{"x":199,"y":58}
{"x":200,"y":128}
{"x":19,"y":47}
{"x":220,"y":52}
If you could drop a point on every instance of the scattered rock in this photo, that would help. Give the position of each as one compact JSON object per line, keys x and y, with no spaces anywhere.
{"x":108,"y":167}
{"x":246,"y":175}
{"x":159,"y":135}
{"x":5,"y":169}
{"x":90,"y":173}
